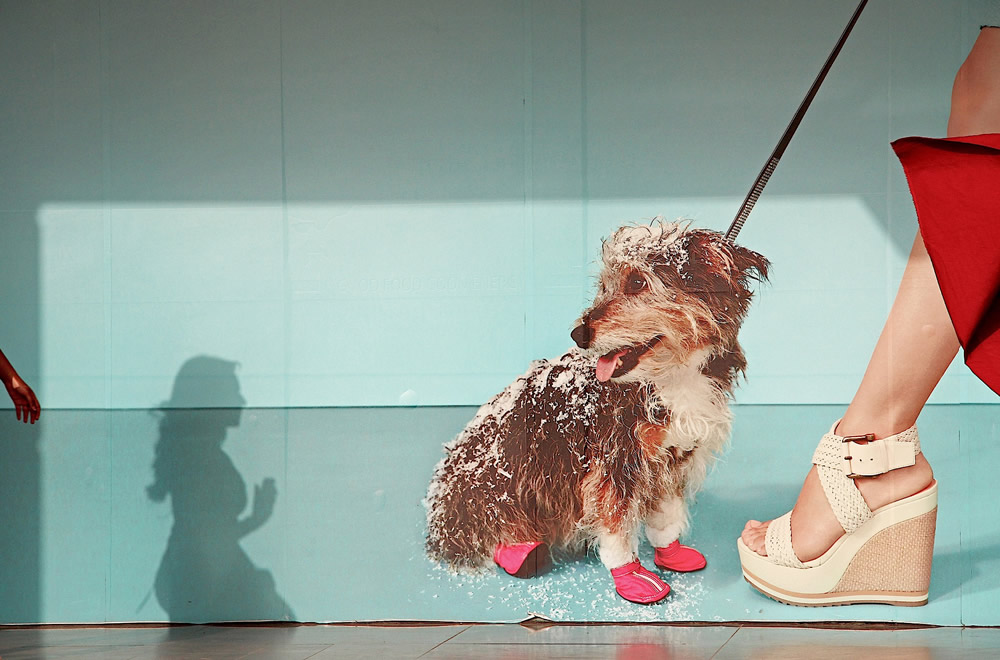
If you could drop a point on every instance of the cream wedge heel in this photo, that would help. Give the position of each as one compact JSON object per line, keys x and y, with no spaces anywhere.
{"x":885,"y":556}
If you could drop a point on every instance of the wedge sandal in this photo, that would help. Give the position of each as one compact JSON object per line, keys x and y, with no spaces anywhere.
{"x":884,"y":556}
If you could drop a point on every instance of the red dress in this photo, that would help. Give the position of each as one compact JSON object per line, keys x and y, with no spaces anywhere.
{"x":955,"y":183}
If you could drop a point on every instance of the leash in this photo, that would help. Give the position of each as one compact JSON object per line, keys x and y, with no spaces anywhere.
{"x":772,"y":162}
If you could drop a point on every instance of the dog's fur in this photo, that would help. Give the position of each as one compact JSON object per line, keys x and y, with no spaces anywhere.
{"x":563,"y":458}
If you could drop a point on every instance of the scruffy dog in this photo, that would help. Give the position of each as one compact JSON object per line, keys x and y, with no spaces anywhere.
{"x":583,"y":450}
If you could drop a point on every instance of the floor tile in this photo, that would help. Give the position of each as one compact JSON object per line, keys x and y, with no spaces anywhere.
{"x":709,"y":637}
{"x":225,"y":652}
{"x":380,"y":642}
{"x":503,"y":642}
{"x":560,"y":651}
{"x":623,"y":642}
{"x":821,"y":644}
{"x":79,"y":653}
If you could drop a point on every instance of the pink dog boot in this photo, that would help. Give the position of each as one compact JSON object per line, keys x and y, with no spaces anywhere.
{"x":677,"y":557}
{"x":523,"y":560}
{"x":635,"y":583}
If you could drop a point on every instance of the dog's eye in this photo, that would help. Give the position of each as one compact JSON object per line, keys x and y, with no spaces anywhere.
{"x":635,"y":283}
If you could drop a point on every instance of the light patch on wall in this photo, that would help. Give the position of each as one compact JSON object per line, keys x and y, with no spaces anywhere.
{"x":426,"y":304}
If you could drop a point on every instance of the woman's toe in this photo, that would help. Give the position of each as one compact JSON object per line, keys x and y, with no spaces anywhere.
{"x":753,"y":538}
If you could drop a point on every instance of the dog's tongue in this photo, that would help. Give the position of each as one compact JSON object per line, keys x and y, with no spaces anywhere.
{"x":606,"y":365}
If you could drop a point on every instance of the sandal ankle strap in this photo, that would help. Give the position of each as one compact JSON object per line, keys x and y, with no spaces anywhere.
{"x":840,"y":459}
{"x":866,"y":455}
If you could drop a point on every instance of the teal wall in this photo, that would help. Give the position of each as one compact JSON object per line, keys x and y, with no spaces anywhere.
{"x":376,"y":203}
{"x":368,"y":203}
{"x":344,"y":538}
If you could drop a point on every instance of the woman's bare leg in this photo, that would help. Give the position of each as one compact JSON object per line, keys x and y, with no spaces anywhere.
{"x":915,"y":348}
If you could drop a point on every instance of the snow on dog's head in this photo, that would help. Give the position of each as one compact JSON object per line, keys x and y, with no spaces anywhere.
{"x":666,"y":294}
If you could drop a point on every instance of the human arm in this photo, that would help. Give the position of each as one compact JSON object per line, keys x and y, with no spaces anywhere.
{"x":25,"y":402}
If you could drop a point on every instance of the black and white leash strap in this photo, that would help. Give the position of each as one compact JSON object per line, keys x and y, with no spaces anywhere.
{"x":772,"y":162}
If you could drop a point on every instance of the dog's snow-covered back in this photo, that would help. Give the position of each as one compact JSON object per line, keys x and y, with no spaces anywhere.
{"x":618,"y":432}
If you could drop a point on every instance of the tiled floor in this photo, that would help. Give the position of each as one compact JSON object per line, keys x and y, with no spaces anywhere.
{"x":507,"y":642}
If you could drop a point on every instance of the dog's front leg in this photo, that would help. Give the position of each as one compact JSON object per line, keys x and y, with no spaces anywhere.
{"x":663,"y":529}
{"x":619,"y":553}
{"x":617,"y":549}
{"x":666,"y":524}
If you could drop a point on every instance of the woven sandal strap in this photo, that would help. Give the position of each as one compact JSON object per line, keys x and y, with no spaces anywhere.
{"x":778,"y":542}
{"x":833,"y":467}
{"x":844,"y":497}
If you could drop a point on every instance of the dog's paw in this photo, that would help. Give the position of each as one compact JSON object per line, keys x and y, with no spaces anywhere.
{"x":681,"y":558}
{"x":639,"y":585}
{"x":523,"y":560}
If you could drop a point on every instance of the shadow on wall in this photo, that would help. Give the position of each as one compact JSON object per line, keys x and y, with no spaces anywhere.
{"x":20,"y":459}
{"x":205,"y":575}
{"x":20,"y":518}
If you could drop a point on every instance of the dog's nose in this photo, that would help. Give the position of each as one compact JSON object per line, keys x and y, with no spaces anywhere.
{"x":582,"y":334}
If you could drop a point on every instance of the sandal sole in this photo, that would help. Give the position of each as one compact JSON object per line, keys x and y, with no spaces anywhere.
{"x":900,"y":599}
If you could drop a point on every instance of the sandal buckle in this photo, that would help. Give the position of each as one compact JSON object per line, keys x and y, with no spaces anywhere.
{"x":857,"y":440}
{"x":864,"y":456}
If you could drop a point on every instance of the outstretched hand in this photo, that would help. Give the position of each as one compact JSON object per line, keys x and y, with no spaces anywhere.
{"x":264,"y":496}
{"x":25,"y":402}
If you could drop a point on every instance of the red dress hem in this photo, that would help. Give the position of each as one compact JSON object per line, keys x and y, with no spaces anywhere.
{"x":955,"y":184}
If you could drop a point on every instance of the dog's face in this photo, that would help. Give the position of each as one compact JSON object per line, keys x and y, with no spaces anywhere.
{"x":665,"y":293}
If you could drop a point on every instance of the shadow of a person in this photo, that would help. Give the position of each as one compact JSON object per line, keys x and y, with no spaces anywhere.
{"x":205,"y":575}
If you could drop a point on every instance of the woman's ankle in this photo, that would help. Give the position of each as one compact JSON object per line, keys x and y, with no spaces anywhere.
{"x":881,"y":425}
{"x":895,"y":484}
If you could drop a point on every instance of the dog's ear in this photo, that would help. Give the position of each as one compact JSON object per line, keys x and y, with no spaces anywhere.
{"x":721,"y":273}
{"x":752,"y":265}
{"x":712,"y":258}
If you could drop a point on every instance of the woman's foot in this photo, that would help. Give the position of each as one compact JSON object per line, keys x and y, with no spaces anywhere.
{"x":815,"y":528}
